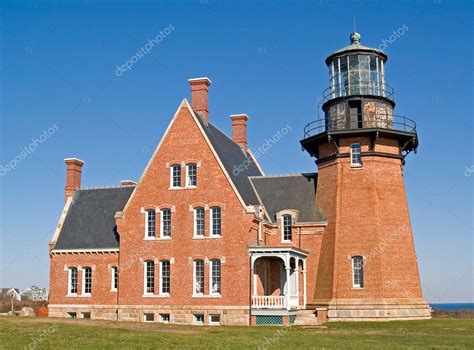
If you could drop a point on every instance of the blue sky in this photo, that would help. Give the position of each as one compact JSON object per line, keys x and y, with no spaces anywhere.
{"x":266,"y":59}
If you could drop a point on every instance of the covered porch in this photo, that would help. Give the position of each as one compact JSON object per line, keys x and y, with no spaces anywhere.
{"x":278,"y":278}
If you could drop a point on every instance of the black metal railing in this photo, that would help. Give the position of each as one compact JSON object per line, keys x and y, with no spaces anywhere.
{"x":357,"y":89}
{"x":361,"y":121}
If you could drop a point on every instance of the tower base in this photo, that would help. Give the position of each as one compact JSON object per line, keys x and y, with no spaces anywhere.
{"x":355,"y":310}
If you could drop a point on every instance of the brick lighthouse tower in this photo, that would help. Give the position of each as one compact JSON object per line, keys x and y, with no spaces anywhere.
{"x":368,"y":268}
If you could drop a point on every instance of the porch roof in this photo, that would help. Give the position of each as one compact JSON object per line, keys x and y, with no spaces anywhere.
{"x":271,"y":250}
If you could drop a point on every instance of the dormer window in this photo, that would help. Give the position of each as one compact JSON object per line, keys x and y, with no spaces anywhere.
{"x":286,"y":228}
{"x":175,"y":176}
{"x":356,"y":159}
{"x":191,"y":175}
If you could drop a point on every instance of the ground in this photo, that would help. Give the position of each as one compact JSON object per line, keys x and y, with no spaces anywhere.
{"x":48,"y":333}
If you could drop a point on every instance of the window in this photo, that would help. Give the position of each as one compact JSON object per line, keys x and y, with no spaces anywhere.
{"x":355,"y":154}
{"x":165,"y":318}
{"x":72,"y":280}
{"x":148,"y":317}
{"x":214,"y":319}
{"x":286,"y":227}
{"x":357,"y":272}
{"x":166,"y":223}
{"x":215,"y":221}
{"x":149,"y":277}
{"x":191,"y":175}
{"x":198,"y":277}
{"x":114,"y":271}
{"x":72,"y":315}
{"x":86,"y":280}
{"x":86,"y":315}
{"x":165,"y":277}
{"x":199,"y":222}
{"x":176,"y":175}
{"x":215,"y":277}
{"x":150,"y":223}
{"x":199,"y":319}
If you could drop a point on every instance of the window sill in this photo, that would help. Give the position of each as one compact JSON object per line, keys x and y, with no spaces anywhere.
{"x":355,"y":166}
{"x":150,"y":239}
{"x":206,"y":237}
{"x":286,"y":242}
{"x":190,"y":187}
{"x":71,"y":295}
{"x":84,"y":296}
{"x":156,"y":296}
{"x":207,"y":296}
{"x":164,"y":238}
{"x":176,"y":188}
{"x":357,"y":288}
{"x":113,"y":291}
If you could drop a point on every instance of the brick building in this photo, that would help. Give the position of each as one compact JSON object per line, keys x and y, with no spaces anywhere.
{"x":205,"y":237}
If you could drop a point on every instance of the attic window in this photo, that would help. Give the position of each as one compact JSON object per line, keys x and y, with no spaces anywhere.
{"x":175,"y":176}
{"x":286,"y":228}
{"x":191,"y":175}
{"x":150,"y":223}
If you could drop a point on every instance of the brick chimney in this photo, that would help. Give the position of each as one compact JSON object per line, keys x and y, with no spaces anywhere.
{"x":199,"y":96}
{"x":239,"y":130}
{"x":73,"y":176}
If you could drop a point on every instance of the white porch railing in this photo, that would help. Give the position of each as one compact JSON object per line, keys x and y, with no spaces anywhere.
{"x":268,"y":302}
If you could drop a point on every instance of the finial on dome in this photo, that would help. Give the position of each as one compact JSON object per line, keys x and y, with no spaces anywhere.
{"x":355,"y":38}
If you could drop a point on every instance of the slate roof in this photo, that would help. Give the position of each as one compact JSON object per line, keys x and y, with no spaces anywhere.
{"x":233,"y":159}
{"x":296,"y":192}
{"x":90,"y":222}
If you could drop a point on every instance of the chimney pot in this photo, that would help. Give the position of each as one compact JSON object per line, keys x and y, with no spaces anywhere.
{"x":239,"y":130}
{"x":199,"y":96}
{"x":73,"y":176}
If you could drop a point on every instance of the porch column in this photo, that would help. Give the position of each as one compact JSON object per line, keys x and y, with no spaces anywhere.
{"x":254,"y":277}
{"x":297,"y":287}
{"x":304,"y":284}
{"x":288,"y":288}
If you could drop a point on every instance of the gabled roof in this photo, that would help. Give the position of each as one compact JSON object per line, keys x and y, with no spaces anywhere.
{"x":90,"y":222}
{"x":238,"y":165}
{"x":296,"y":192}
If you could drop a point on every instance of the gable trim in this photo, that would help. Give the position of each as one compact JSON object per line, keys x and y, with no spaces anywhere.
{"x":62,"y":218}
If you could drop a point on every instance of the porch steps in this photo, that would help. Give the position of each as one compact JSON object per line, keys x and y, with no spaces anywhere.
{"x":306,"y":318}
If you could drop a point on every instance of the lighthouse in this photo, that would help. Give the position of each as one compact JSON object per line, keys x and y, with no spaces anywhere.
{"x":367,"y":267}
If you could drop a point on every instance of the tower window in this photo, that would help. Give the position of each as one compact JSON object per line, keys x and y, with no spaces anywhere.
{"x":357,"y":272}
{"x":175,"y":175}
{"x":150,"y":223}
{"x":191,"y":175}
{"x":356,"y":159}
{"x":286,"y":228}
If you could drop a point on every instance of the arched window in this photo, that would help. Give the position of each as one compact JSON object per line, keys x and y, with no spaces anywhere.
{"x":215,"y":275}
{"x":72,"y":280}
{"x":149,"y":277}
{"x":165,"y":223}
{"x":215,"y":221}
{"x":191,"y":175}
{"x":198,"y":277}
{"x":286,"y":227}
{"x":199,"y":222}
{"x":175,"y":175}
{"x":357,"y":272}
{"x":86,"y":280}
{"x":165,"y":277}
{"x":356,"y":159}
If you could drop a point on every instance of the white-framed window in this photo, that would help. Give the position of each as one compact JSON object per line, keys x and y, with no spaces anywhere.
{"x":286,"y":229}
{"x":149,"y":277}
{"x":72,"y":281}
{"x":150,"y":223}
{"x":72,"y":315}
{"x":191,"y":175}
{"x":199,"y":222}
{"x":165,"y":318}
{"x":148,"y":317}
{"x":198,"y":273}
{"x":214,"y":319}
{"x":86,"y":280}
{"x":86,"y":315}
{"x":165,"y":277}
{"x":165,"y":224}
{"x":114,"y":276}
{"x":198,"y":319}
{"x":215,"y":221}
{"x":356,"y":159}
{"x":357,"y":272}
{"x":175,"y":176}
{"x":215,"y":276}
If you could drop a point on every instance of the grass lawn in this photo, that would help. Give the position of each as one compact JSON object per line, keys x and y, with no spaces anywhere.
{"x":48,"y":333}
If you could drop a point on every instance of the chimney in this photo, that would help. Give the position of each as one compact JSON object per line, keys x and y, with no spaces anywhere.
{"x":128,"y":183}
{"x":199,"y":96}
{"x":239,"y":130}
{"x":73,"y":176}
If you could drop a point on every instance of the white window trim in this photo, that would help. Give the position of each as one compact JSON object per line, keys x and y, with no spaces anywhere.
{"x":214,"y":323}
{"x":194,"y":279}
{"x":161,"y":318}
{"x":211,"y":223}
{"x":145,"y":293}
{"x":356,"y":165}
{"x":69,"y":280}
{"x":149,"y":238}
{"x":161,"y":224}
{"x":195,"y":235}
{"x":211,"y":293}
{"x":161,"y":279}
{"x":83,"y":291}
{"x":148,"y":313}
{"x":354,"y":285}
{"x":187,"y":175}
{"x":172,"y":166}
{"x":195,"y":321}
{"x":113,"y":270}
{"x":282,"y":219}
